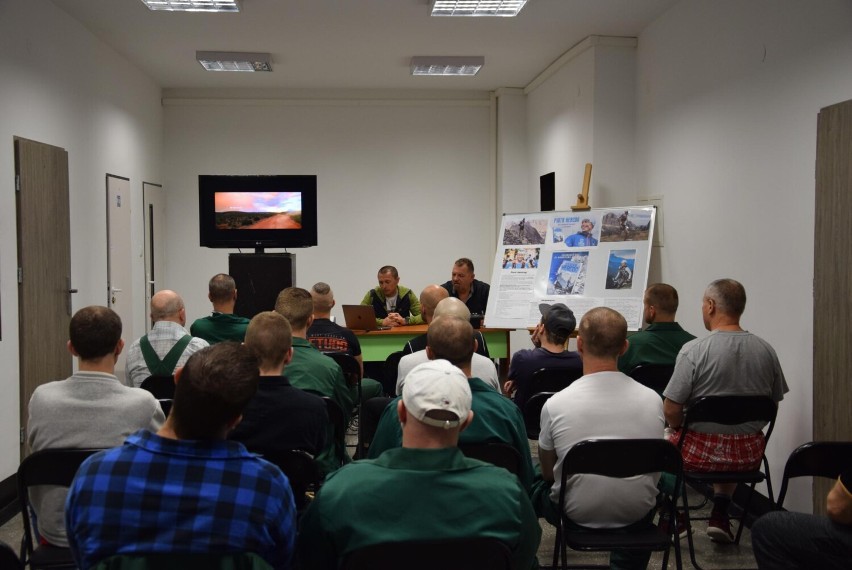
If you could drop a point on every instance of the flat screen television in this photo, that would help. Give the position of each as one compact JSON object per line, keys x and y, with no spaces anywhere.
{"x":277,"y":211}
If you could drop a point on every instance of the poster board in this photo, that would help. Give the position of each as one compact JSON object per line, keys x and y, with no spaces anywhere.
{"x":589,"y":259}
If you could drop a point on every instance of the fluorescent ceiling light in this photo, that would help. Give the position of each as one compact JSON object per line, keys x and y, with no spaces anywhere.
{"x":193,"y":5}
{"x":234,"y":61}
{"x":446,"y":65}
{"x":506,"y":8}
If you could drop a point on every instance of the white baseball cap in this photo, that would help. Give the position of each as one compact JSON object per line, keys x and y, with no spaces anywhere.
{"x":437,"y":385}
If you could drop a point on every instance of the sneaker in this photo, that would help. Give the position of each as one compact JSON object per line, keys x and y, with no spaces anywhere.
{"x":719,"y":529}
{"x":680,"y":520}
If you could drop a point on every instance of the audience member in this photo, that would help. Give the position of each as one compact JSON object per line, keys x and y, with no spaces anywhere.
{"x":90,"y":409}
{"x":394,"y":304}
{"x":729,"y":361}
{"x":312,"y":371}
{"x":464,"y":286}
{"x":167,"y":346}
{"x":223,"y":324}
{"x":789,"y":540}
{"x":661,"y":340}
{"x":186,"y":489}
{"x":550,"y":338}
{"x":497,"y":419}
{"x":424,"y":490}
{"x":483,"y":368}
{"x":603,"y":404}
{"x":279,"y":417}
{"x":429,"y":299}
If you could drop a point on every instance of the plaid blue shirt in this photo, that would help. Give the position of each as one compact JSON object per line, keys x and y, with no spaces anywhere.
{"x":155,"y":495}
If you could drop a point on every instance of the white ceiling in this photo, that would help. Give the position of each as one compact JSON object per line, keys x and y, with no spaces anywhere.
{"x":354,"y":44}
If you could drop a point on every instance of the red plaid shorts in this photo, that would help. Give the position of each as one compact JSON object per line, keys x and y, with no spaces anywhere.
{"x":720,"y":452}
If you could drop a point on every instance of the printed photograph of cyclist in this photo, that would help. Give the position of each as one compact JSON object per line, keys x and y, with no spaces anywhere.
{"x":619,"y":269}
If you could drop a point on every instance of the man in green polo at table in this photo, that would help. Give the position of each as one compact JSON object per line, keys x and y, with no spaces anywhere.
{"x":662,"y":339}
{"x":223,"y":324}
{"x":427,"y":489}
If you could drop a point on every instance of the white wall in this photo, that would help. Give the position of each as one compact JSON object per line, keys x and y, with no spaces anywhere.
{"x":401,"y":182}
{"x":728,"y":96}
{"x":61,"y":86}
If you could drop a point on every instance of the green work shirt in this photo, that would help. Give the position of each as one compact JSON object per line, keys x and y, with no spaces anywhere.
{"x":657,"y":344}
{"x":220,"y":327}
{"x":417,"y":494}
{"x":495,"y":418}
{"x":312,"y":371}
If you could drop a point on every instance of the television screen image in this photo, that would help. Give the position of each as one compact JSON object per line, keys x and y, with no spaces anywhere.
{"x":258,"y":210}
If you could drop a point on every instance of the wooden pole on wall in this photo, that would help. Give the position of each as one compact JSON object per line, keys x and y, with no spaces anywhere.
{"x":583,"y":198}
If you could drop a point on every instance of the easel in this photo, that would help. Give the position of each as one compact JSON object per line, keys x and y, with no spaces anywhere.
{"x":583,"y":198}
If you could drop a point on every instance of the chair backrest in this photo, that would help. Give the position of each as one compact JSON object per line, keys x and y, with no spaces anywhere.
{"x":654,"y":376}
{"x":532,"y":413}
{"x":338,"y":422}
{"x":46,"y":467}
{"x":449,"y":554}
{"x":350,"y":367}
{"x":368,"y":423}
{"x":162,"y":387}
{"x":166,"y":406}
{"x":181,"y":561}
{"x":495,"y":452}
{"x":816,"y":459}
{"x":300,"y":468}
{"x":8,"y":559}
{"x":392,"y":367}
{"x":732,"y":410}
{"x":552,"y":379}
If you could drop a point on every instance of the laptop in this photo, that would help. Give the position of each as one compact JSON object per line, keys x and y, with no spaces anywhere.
{"x":361,"y":318}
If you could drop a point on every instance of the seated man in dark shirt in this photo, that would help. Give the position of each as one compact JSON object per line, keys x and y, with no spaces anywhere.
{"x":429,"y":299}
{"x":472,"y":292}
{"x":279,"y":417}
{"x":549,"y":337}
{"x":326,"y":335}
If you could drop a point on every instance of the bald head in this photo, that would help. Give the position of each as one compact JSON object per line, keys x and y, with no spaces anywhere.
{"x":603,"y":333}
{"x":429,"y":299}
{"x":452,"y":307}
{"x":167,"y":306}
{"x":451,"y":338}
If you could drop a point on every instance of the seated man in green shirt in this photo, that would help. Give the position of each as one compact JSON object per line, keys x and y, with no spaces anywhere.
{"x":394,"y":304}
{"x":223,"y":324}
{"x":429,"y":490}
{"x":661,"y":340}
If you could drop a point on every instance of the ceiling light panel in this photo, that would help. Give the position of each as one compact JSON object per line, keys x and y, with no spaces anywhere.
{"x":193,"y":5}
{"x":446,"y":65}
{"x":234,"y":61}
{"x":504,"y":8}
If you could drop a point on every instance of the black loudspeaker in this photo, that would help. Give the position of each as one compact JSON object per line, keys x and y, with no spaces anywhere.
{"x":259,"y":278}
{"x":547,"y":185}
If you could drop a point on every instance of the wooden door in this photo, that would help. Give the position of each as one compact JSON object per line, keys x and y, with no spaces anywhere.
{"x":155,"y":226}
{"x":120,"y":261}
{"x":832,"y":379}
{"x":44,"y":267}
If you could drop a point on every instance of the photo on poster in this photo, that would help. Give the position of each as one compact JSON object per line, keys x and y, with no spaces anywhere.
{"x":520,"y":258}
{"x":576,"y":231}
{"x":619,"y":270}
{"x":525,"y":231}
{"x":626,"y":225}
{"x":568,"y":273}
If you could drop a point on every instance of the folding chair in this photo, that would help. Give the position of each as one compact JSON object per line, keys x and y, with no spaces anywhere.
{"x":338,"y":422}
{"x":654,"y":376}
{"x":728,"y":410}
{"x":46,"y":467}
{"x":448,"y":554}
{"x":301,"y":470}
{"x":391,"y":370}
{"x":494,"y":452}
{"x":532,"y":413}
{"x":162,"y":387}
{"x":544,"y":380}
{"x":371,"y":414}
{"x":816,"y":459}
{"x":8,"y":559}
{"x":352,"y":373}
{"x":620,"y":458}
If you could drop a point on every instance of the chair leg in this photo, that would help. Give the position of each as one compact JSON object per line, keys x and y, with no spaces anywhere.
{"x":688,"y":520}
{"x":745,"y":513}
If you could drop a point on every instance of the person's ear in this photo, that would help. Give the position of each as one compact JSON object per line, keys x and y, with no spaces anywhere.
{"x":119,"y":347}
{"x":288,"y":356}
{"x":430,"y":354}
{"x":401,"y":412}
{"x":310,"y":321}
{"x":71,"y":349}
{"x":580,"y":347}
{"x":624,"y":347}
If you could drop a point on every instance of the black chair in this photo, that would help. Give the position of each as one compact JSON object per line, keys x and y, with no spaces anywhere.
{"x":619,"y":458}
{"x":816,"y":459}
{"x":46,"y":467}
{"x":532,"y":413}
{"x":495,"y":452}
{"x":352,"y":373}
{"x":162,"y":387}
{"x":654,"y":376}
{"x":166,"y":406}
{"x":338,"y":422}
{"x":449,"y":554}
{"x":302,"y":471}
{"x":183,"y":561}
{"x":552,"y":379}
{"x":391,"y":371}
{"x":728,"y":410}
{"x":8,"y":559}
{"x":371,"y":413}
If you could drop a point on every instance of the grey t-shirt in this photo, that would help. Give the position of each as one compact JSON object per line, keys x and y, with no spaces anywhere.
{"x":726,"y":363}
